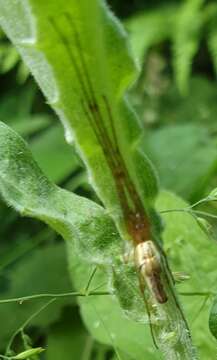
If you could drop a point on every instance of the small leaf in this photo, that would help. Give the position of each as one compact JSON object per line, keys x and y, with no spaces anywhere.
{"x":205,"y":226}
{"x":28,"y":353}
{"x":180,"y":276}
{"x":213,"y":318}
{"x":213,"y":193}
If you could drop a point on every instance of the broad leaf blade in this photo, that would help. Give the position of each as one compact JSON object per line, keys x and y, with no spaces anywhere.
{"x":68,"y":337}
{"x":43,"y":271}
{"x":23,"y":186}
{"x":89,"y":44}
{"x":183,"y":139}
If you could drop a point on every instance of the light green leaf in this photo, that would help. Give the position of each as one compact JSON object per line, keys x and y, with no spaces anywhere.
{"x":79,"y":49}
{"x":28,"y":353}
{"x":150,"y":28}
{"x":8,"y":58}
{"x":23,"y":186}
{"x":213,"y":194}
{"x":186,"y":40}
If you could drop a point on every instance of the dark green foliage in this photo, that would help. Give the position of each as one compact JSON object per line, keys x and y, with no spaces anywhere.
{"x":213,"y":319}
{"x":173,"y":161}
{"x":183,"y":25}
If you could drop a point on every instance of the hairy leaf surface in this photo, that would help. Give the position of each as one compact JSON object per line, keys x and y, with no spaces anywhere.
{"x":80,"y":222}
{"x":90,"y":233}
{"x":80,"y":58}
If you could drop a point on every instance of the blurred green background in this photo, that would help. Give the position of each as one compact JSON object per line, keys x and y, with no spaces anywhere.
{"x":175,"y":46}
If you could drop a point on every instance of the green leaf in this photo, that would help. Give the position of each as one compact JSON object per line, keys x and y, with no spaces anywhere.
{"x":23,"y":186}
{"x":16,"y":105}
{"x":44,"y":270}
{"x":188,"y":162}
{"x":199,"y":107}
{"x":92,"y":239}
{"x":212,"y":36}
{"x":68,"y":338}
{"x":79,"y":49}
{"x":56,"y":158}
{"x":213,"y":318}
{"x":74,"y":217}
{"x":28,"y":353}
{"x":181,"y":25}
{"x":104,"y":317}
{"x":186,"y":41}
{"x":8,"y":58}
{"x":30,"y":125}
{"x":213,"y":194}
{"x":205,"y":226}
{"x":90,"y":232}
{"x":150,"y":28}
{"x":189,"y":250}
{"x":78,"y":41}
